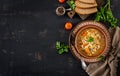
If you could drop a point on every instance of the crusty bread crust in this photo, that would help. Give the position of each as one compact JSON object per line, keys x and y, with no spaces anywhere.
{"x":85,"y":11}
{"x":85,"y":5}
{"x":87,"y":1}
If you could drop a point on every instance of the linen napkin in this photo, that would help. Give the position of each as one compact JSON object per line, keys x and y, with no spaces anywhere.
{"x":108,"y":67}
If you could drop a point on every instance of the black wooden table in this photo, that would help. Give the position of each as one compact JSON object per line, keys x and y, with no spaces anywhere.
{"x":29,"y":30}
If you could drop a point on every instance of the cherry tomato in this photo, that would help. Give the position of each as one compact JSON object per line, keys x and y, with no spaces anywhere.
{"x":68,"y":25}
{"x":61,"y":1}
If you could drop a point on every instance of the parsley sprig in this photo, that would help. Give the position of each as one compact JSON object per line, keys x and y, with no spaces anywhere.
{"x":61,"y":47}
{"x":71,"y":4}
{"x":105,"y":14}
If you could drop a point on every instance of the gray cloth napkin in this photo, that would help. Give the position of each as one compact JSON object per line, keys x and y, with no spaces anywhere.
{"x":108,"y":67}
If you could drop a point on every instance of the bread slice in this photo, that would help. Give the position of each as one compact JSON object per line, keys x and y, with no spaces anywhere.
{"x":87,"y":1}
{"x":84,"y":5}
{"x":85,"y":10}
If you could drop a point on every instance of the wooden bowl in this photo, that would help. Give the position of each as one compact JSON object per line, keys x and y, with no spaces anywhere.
{"x":74,"y":43}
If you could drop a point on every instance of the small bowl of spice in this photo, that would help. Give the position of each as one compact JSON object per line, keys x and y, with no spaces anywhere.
{"x":60,"y":11}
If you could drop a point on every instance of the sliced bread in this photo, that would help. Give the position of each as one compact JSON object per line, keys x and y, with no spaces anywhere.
{"x":85,"y":10}
{"x":87,"y":1}
{"x":84,"y":5}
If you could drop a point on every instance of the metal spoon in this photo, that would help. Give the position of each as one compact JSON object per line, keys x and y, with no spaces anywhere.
{"x":84,"y":65}
{"x":72,"y":39}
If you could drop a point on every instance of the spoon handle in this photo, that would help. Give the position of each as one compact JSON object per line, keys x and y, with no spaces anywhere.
{"x":72,"y":39}
{"x":84,"y":65}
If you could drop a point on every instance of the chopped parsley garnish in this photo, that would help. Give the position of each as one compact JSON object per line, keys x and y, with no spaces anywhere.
{"x":91,"y":39}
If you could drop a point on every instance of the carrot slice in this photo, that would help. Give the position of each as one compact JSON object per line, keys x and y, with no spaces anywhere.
{"x":87,"y":50}
{"x":85,"y":44}
{"x":84,"y":33}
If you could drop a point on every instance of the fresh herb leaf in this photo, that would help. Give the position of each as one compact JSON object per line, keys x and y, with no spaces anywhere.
{"x":91,"y":39}
{"x":105,"y":14}
{"x":100,"y":57}
{"x":57,"y":45}
{"x":61,"y":51}
{"x":71,"y":4}
{"x":61,"y":47}
{"x":71,"y":1}
{"x":66,"y":48}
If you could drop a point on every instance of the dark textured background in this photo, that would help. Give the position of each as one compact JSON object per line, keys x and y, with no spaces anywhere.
{"x":28,"y":32}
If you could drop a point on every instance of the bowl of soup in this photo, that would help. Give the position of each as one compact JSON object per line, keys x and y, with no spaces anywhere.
{"x":92,"y":40}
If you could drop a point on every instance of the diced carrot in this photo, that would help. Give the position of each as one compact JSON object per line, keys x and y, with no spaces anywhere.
{"x":84,"y":33}
{"x":87,"y":50}
{"x":85,"y":44}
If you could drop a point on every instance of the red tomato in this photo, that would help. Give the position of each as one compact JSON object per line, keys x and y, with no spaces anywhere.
{"x":61,"y":1}
{"x":68,"y":25}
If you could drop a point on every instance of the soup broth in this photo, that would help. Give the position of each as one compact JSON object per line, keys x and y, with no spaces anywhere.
{"x":91,"y":42}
